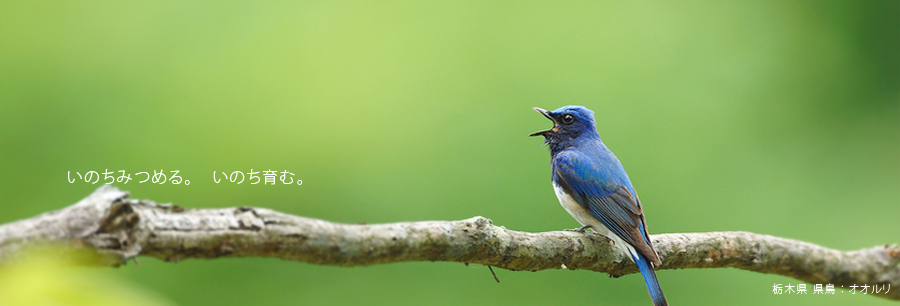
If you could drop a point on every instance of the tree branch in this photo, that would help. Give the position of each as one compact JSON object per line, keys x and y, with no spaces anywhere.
{"x":113,"y":228}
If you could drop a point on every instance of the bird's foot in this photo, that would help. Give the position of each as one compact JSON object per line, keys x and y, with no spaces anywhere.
{"x":582,"y":229}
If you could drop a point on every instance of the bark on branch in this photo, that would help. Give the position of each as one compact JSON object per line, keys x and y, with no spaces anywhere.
{"x":113,"y":228}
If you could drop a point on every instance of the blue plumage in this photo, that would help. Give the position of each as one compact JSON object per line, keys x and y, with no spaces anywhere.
{"x":592,"y":186}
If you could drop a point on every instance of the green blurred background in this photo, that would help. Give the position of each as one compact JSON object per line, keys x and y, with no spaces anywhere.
{"x":776,"y":117}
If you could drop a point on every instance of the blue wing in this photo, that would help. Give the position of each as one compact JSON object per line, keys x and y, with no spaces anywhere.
{"x":602,"y":188}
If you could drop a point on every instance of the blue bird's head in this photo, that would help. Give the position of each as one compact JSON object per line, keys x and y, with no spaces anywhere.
{"x":569,"y":124}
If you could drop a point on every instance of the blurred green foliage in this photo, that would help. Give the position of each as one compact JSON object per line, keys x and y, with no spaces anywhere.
{"x":776,"y":117}
{"x":45,"y":279}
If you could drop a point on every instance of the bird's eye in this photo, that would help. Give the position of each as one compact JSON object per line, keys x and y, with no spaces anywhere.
{"x":568,"y":119}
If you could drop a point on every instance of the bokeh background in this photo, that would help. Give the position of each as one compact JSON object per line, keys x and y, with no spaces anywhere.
{"x":776,"y":117}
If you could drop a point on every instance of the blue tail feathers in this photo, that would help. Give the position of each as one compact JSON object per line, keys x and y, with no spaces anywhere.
{"x":650,"y":278}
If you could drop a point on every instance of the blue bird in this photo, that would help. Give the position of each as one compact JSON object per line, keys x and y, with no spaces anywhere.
{"x":592,"y":186}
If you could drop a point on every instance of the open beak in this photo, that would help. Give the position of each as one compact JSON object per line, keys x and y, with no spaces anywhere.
{"x":546,"y":113}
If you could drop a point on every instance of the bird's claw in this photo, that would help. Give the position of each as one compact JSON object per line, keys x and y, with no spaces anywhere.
{"x":582,"y":229}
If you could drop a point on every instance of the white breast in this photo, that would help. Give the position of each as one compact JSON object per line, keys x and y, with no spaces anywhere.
{"x":584,"y":217}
